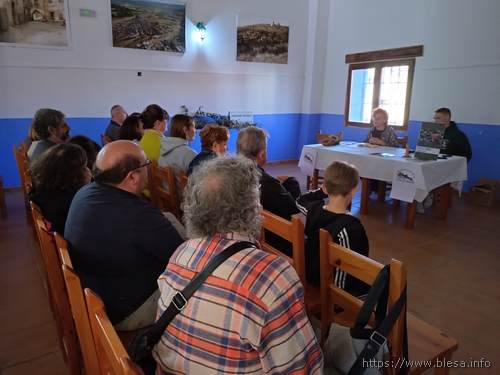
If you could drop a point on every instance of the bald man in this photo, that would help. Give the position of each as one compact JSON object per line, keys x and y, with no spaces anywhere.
{"x":118,"y":115}
{"x":119,"y":244}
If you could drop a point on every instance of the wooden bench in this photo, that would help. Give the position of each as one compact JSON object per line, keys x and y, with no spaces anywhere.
{"x":425,"y":342}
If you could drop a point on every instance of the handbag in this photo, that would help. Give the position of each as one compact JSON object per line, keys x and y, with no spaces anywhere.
{"x":142,"y":344}
{"x":360,"y":350}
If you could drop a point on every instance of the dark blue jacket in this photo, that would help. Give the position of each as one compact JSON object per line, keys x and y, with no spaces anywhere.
{"x":119,"y":245}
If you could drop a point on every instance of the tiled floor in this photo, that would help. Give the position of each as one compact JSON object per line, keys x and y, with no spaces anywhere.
{"x":453,"y":280}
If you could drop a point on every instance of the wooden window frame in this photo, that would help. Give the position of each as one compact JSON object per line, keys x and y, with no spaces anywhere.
{"x":378,"y":60}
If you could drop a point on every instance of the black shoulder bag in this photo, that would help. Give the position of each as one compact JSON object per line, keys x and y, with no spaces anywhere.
{"x":142,"y":344}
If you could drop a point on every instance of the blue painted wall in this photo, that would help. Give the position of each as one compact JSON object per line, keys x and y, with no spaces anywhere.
{"x":283,"y":132}
{"x":287,"y":134}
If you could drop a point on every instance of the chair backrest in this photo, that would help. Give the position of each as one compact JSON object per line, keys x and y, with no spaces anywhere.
{"x":81,"y":317}
{"x":163,"y":189}
{"x":292,"y":231}
{"x":59,"y":295}
{"x":62,"y":248}
{"x":112,"y":356}
{"x":403,"y":141}
{"x":78,"y":308}
{"x":333,"y":256}
{"x":22,"y":163}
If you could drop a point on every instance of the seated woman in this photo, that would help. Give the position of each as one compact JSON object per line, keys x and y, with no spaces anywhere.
{"x":175,"y":151}
{"x":90,"y":147}
{"x":57,"y":175}
{"x":132,"y":128}
{"x":213,"y":143}
{"x":381,"y":134}
{"x":154,"y":119}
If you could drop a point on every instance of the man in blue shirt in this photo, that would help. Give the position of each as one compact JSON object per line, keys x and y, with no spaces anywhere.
{"x":120,"y":244}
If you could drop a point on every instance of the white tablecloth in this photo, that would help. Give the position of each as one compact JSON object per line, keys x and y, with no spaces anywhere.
{"x":428,"y":174}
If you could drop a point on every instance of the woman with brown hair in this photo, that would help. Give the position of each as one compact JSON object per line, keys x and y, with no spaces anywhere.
{"x":154,"y":119}
{"x":56,"y":176}
{"x":213,"y":143}
{"x":175,"y":151}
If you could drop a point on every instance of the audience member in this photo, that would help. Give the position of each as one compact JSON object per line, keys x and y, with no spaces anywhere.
{"x":252,"y":143}
{"x":154,"y":120}
{"x":213,"y":143}
{"x":455,"y":142}
{"x":118,"y":115}
{"x":56,"y":176}
{"x":380,"y":133}
{"x":91,"y":148}
{"x":49,"y":128}
{"x":119,"y":243}
{"x":248,"y":316}
{"x":274,"y":197}
{"x":132,"y":128}
{"x":341,"y":182}
{"x":175,"y":151}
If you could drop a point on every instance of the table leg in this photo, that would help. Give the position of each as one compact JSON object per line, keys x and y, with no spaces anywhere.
{"x":381,"y":187}
{"x":315,"y":179}
{"x":410,"y":215}
{"x":442,"y":198}
{"x":365,"y":194}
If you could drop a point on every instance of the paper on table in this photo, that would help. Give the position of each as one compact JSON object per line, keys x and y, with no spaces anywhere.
{"x":307,"y":162}
{"x":403,"y":183}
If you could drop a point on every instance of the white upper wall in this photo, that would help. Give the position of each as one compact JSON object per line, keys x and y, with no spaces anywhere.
{"x":91,"y":75}
{"x":460,"y":68}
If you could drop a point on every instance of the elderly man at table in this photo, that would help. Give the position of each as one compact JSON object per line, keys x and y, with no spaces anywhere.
{"x":248,"y":317}
{"x":119,"y":243}
{"x":455,"y":142}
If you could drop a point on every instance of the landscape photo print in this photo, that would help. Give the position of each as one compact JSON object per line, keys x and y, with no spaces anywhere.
{"x":153,"y":25}
{"x":262,"y":40}
{"x":33,"y":23}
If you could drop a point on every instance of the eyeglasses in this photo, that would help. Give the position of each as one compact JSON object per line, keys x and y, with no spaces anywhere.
{"x":145,"y":164}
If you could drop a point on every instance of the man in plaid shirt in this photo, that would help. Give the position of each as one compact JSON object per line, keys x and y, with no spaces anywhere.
{"x":248,"y":317}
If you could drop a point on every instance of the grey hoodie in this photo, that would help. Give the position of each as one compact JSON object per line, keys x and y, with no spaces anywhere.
{"x":175,"y":152}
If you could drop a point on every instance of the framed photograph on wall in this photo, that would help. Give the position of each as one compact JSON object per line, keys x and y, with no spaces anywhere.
{"x":262,"y":40}
{"x":34,"y":23}
{"x":158,"y":25}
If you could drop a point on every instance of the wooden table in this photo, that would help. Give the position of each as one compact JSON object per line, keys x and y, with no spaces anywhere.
{"x":432,"y":177}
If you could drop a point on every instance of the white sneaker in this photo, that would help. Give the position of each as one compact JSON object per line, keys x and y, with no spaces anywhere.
{"x":420,"y":208}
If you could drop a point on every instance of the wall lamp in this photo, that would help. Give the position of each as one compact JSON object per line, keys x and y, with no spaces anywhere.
{"x":201,"y":31}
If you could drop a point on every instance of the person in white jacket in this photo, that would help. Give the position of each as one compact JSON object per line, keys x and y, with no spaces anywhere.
{"x":175,"y":151}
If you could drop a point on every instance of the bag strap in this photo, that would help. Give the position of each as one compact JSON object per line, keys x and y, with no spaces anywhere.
{"x":180,"y":299}
{"x":378,"y":338}
{"x":375,"y":300}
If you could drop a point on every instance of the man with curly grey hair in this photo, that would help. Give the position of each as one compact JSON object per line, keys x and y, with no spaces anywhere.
{"x":248,"y":316}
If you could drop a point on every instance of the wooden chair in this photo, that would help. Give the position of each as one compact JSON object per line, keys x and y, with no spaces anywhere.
{"x":163,"y":189}
{"x":78,"y":308}
{"x":403,"y":141}
{"x":59,"y":296}
{"x":425,"y":342}
{"x":3,"y":206}
{"x":22,"y":162}
{"x":292,"y":231}
{"x":111,"y":354}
